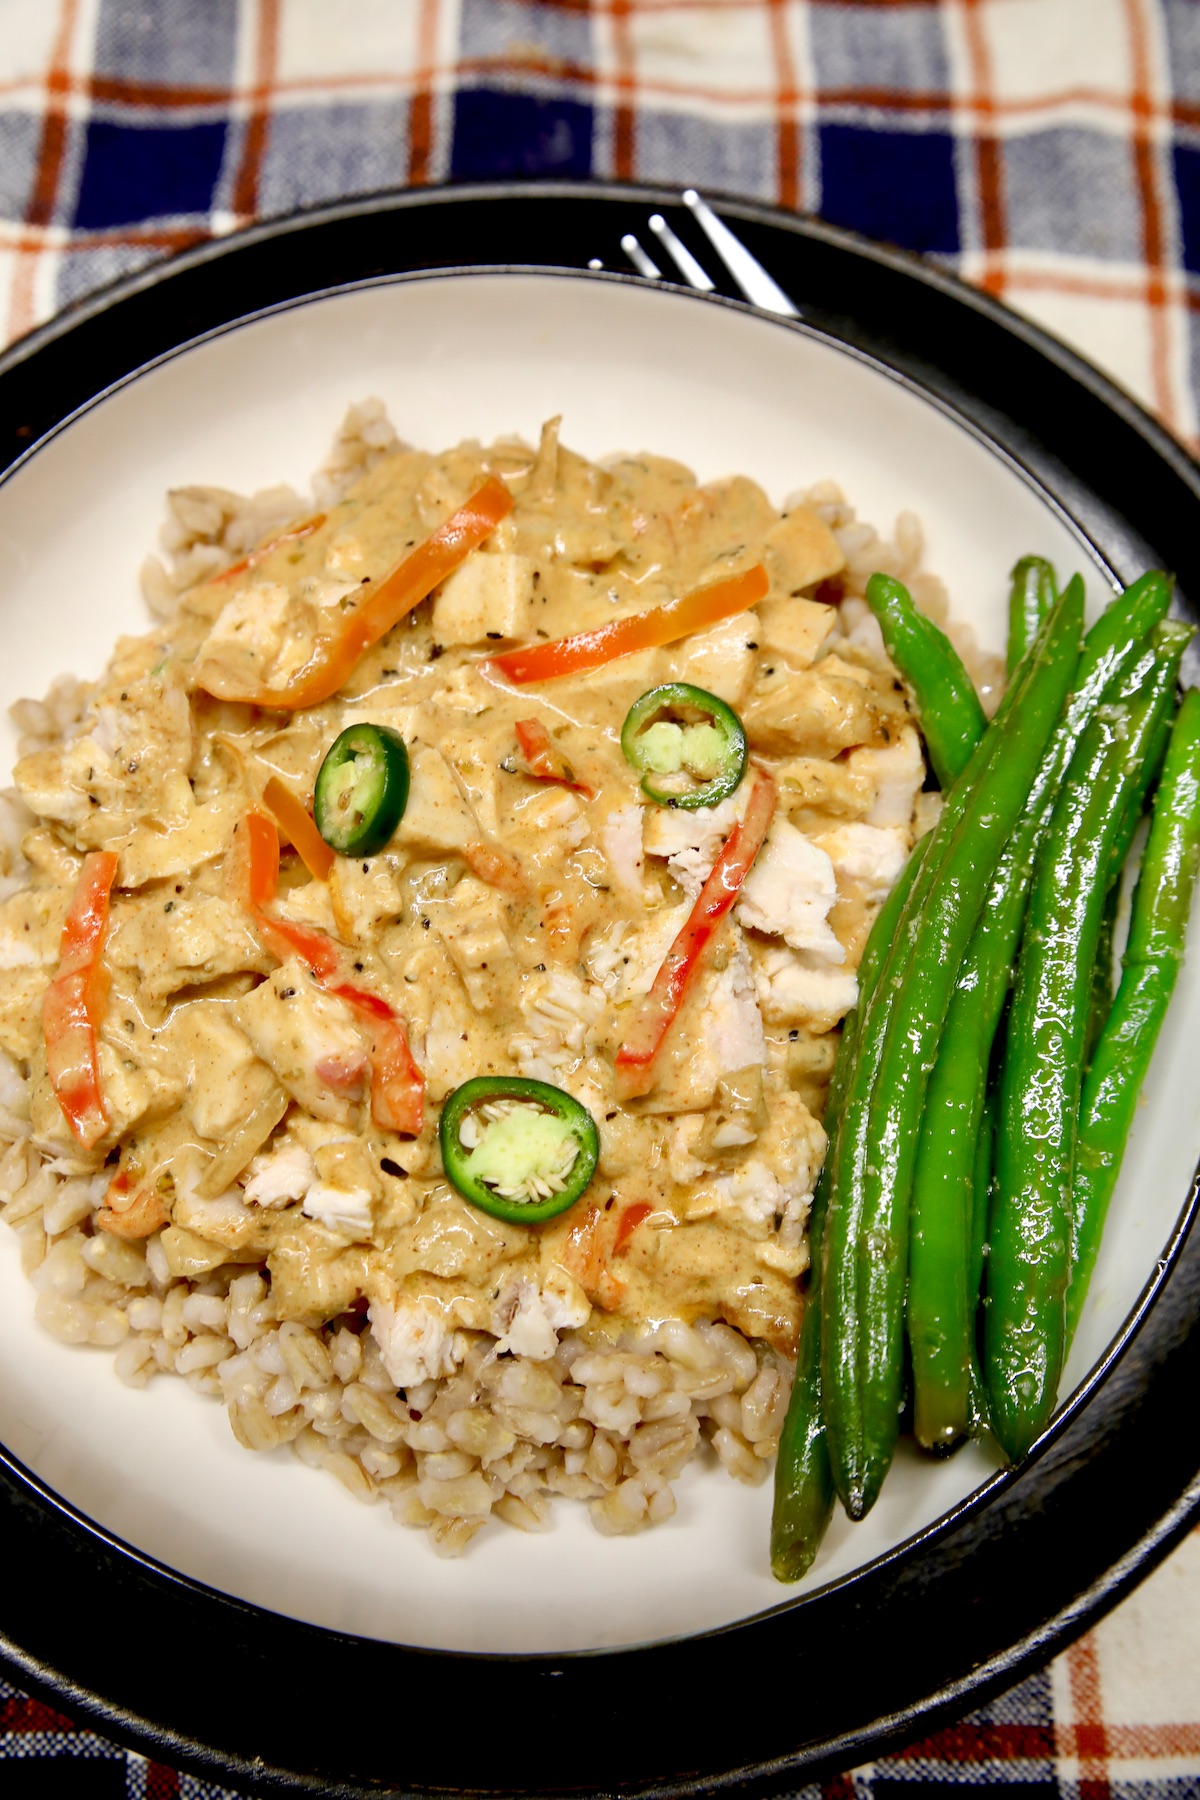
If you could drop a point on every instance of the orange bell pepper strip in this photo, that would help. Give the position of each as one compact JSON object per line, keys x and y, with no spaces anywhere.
{"x":292,"y":535}
{"x":499,"y":868}
{"x":299,"y":828}
{"x":640,"y":631}
{"x":397,"y":1085}
{"x":656,"y":1012}
{"x":543,"y":761}
{"x":337,"y":653}
{"x":131,"y":1210}
{"x":74,"y":1002}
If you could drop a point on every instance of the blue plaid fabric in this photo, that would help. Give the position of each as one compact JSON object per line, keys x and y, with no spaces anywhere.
{"x":1057,"y":166}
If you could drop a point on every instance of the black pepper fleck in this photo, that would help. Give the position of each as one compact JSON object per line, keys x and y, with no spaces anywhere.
{"x":390,"y":1167}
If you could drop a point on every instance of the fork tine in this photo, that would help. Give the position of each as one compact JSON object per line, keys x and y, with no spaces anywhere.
{"x":759,"y":288}
{"x":645,"y":265}
{"x":686,"y":263}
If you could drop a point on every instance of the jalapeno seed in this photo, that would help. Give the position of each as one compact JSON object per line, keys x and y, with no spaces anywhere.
{"x":688,"y":746}
{"x":520,"y":1150}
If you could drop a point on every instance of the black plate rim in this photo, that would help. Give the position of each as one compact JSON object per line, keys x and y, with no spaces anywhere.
{"x":994,"y":1671}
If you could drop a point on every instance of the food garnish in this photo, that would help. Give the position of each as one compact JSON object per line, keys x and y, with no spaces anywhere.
{"x":521,"y":1150}
{"x":654,"y":1015}
{"x":362,"y":790}
{"x":688,"y":746}
{"x":543,"y":761}
{"x":639,"y":631}
{"x":337,"y":653}
{"x":293,"y":535}
{"x":296,"y":823}
{"x":397,"y":1086}
{"x":74,"y":1002}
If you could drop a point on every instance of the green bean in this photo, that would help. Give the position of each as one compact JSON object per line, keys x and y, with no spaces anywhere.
{"x":1153,"y":954}
{"x":946,"y":703}
{"x":803,"y":1481}
{"x":1041,"y":1076}
{"x":1030,"y":597}
{"x":940,"y":1330}
{"x":981,"y":1206}
{"x":866,"y":1248}
{"x":1100,"y":995}
{"x":1170,"y":641}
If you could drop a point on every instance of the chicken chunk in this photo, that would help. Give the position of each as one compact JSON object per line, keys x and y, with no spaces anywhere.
{"x":719,"y":1030}
{"x":437,"y":820}
{"x":172,"y":943}
{"x":488,"y":596}
{"x":801,"y":551}
{"x":869,"y":856}
{"x":897,"y":774}
{"x":797,"y":989}
{"x":789,"y":892}
{"x":309,"y":1039}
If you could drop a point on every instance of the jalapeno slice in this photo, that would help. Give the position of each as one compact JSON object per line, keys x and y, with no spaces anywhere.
{"x":521,"y":1150}
{"x":362,"y":789}
{"x":688,"y":746}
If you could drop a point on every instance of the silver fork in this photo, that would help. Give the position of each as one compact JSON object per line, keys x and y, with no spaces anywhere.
{"x":760,"y":289}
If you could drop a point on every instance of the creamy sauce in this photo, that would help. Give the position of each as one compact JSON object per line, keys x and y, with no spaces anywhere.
{"x":511,"y":922}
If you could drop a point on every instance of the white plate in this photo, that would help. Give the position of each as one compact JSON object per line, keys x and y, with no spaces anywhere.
{"x":629,"y":368}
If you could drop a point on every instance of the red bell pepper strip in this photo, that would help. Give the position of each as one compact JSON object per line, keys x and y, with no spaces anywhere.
{"x":543,"y":761}
{"x":397,"y":1085}
{"x":74,"y":1002}
{"x":336,"y":653}
{"x":292,"y":535}
{"x":298,"y":826}
{"x":631,"y":1218}
{"x":640,"y":631}
{"x":656,"y":1012}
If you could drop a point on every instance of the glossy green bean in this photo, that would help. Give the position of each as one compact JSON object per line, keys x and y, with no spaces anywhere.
{"x":952,"y":719}
{"x":803,"y":1480}
{"x":981,"y":1206}
{"x":941,"y":1331}
{"x":1170,"y":640}
{"x":1153,"y":954}
{"x":1031,"y":594}
{"x":866,"y":1239}
{"x":1030,"y":1228}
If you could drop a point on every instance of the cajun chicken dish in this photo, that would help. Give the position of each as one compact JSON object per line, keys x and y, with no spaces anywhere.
{"x":422,"y":958}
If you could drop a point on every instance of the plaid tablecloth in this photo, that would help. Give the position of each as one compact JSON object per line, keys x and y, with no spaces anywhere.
{"x":1048,"y":150}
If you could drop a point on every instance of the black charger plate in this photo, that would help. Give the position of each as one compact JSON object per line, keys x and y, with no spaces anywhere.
{"x":261,"y":1701}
